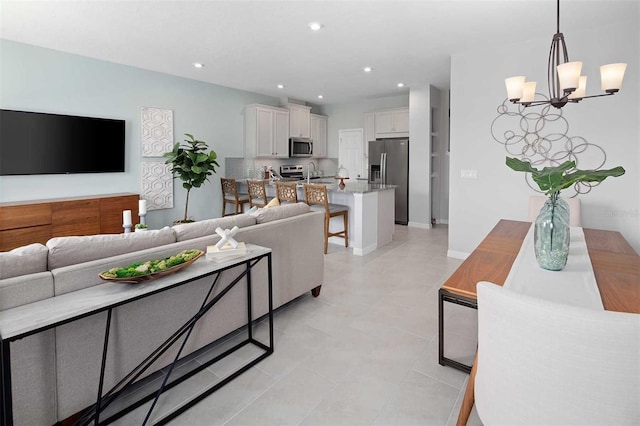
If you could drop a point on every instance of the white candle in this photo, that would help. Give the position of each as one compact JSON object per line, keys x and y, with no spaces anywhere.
{"x":142,"y":207}
{"x":126,"y":217}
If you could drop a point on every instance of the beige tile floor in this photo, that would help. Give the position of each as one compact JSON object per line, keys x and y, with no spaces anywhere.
{"x":363,"y":353}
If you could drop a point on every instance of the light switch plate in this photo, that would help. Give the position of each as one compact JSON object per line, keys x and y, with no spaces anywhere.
{"x":469,"y":174}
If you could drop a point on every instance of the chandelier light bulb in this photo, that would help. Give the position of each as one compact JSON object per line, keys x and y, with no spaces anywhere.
{"x":569,"y":76}
{"x":581,"y":91}
{"x":515,"y":85}
{"x":611,"y":77}
{"x":528,"y":92}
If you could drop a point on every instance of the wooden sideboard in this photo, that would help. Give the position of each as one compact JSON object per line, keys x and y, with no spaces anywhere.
{"x":37,"y":221}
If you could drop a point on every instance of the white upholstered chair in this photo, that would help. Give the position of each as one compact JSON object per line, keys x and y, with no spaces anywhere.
{"x":575,"y":212}
{"x":544,"y":363}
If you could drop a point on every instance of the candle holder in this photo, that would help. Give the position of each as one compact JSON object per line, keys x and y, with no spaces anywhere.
{"x":127,"y":228}
{"x":143,"y":220}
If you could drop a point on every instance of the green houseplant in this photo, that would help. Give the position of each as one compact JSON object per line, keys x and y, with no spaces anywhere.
{"x":551,"y":232}
{"x":191,"y":163}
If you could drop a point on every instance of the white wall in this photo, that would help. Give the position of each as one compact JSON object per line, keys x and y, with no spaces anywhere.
{"x":44,"y":80}
{"x":477,"y":88}
{"x":420,"y":100}
{"x":351,"y":116}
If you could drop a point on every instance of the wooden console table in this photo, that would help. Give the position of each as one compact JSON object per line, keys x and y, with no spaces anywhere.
{"x":33,"y":318}
{"x":37,"y":221}
{"x":616,"y":267}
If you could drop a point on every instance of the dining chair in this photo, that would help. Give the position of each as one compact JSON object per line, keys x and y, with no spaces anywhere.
{"x":317,"y":198}
{"x":257,"y":193}
{"x":287,"y":192}
{"x":575,"y":212}
{"x":541,"y":362}
{"x":230,"y":195}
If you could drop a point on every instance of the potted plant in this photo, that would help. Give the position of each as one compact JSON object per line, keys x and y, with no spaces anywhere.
{"x":191,"y":163}
{"x":141,"y":227}
{"x":551,"y":232}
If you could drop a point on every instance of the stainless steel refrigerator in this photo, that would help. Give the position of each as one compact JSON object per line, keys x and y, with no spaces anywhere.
{"x":389,"y":164}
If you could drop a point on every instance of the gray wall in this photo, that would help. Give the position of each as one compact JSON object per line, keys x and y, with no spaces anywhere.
{"x":44,"y":80}
{"x":477,"y":88}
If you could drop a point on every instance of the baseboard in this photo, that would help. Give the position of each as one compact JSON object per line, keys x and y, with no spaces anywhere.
{"x":457,"y":254}
{"x":365,"y":251}
{"x":419,"y":225}
{"x":442,"y":221}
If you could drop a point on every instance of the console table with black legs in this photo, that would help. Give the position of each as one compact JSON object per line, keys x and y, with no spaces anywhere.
{"x":33,"y":318}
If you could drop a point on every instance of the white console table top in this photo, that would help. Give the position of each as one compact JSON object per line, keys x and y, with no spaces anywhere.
{"x":45,"y":313}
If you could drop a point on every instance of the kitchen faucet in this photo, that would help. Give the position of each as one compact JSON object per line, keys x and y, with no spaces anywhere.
{"x":309,"y":170}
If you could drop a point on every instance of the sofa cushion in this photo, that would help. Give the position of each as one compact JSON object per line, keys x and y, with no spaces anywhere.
{"x":280,"y":212}
{"x":64,"y":251}
{"x":189,"y":231}
{"x":273,"y":203}
{"x":23,"y":261}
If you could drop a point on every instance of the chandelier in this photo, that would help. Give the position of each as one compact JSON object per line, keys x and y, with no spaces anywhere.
{"x":564,"y":79}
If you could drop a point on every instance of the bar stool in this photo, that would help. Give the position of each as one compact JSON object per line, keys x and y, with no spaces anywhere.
{"x":287,"y":191}
{"x":257,"y":193}
{"x":230,"y":195}
{"x":317,"y":198}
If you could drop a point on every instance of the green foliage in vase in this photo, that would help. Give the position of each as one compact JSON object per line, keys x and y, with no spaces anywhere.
{"x":191,"y":163}
{"x":552,"y":180}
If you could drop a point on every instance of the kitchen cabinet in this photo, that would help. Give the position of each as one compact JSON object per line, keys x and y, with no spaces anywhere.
{"x":299,"y":121}
{"x":319,"y":135}
{"x":392,"y":123}
{"x":266,"y":131}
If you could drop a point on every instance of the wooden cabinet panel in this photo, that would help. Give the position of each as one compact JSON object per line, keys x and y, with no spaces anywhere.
{"x":20,"y":216}
{"x":13,"y":238}
{"x":38,"y":221}
{"x":78,"y":217}
{"x":111,"y":209}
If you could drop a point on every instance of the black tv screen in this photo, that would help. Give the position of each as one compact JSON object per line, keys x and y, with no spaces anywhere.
{"x":34,"y":143}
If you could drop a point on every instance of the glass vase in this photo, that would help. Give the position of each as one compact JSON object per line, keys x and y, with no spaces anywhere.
{"x":551,"y":234}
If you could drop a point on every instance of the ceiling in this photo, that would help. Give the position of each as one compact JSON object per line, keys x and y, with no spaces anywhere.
{"x":256,"y":45}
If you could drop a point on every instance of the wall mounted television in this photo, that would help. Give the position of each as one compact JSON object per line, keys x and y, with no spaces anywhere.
{"x":35,"y":143}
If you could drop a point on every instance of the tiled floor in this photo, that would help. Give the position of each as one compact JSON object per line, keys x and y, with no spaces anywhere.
{"x":363,"y":353}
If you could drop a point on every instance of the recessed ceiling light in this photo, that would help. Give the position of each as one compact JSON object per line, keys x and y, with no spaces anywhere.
{"x":400,"y":84}
{"x":315,"y":26}
{"x":367,"y":69}
{"x":320,"y":96}
{"x":280,"y":86}
{"x":198,"y":65}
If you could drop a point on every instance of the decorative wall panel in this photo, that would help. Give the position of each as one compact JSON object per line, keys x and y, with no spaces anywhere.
{"x":157,"y":131}
{"x":157,"y":185}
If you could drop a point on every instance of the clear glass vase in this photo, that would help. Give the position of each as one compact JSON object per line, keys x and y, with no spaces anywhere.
{"x":551,"y":234}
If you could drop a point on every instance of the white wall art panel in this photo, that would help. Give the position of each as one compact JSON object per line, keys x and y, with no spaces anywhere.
{"x":157,"y":131}
{"x":157,"y":185}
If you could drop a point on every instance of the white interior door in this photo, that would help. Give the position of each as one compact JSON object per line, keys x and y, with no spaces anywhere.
{"x":351,"y":151}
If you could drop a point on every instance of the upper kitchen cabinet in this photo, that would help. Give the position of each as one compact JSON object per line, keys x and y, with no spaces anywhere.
{"x":299,"y":121}
{"x":266,"y":131}
{"x":392,"y":123}
{"x":319,"y":135}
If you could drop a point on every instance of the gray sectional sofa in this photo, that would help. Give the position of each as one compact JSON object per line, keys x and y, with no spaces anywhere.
{"x":55,"y":373}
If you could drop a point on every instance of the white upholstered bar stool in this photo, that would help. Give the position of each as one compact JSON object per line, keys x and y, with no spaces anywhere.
{"x":575,"y":211}
{"x":546,"y":363}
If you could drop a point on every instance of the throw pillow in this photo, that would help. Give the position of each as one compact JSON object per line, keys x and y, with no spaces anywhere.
{"x":273,"y":203}
{"x":251,"y":210}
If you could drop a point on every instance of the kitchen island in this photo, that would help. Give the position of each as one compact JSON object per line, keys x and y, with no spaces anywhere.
{"x":371,"y":211}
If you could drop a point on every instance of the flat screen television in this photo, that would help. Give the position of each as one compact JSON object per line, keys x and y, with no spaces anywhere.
{"x":35,"y":143}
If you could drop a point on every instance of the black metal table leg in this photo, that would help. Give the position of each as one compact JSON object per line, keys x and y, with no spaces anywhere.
{"x":6,"y":417}
{"x":102,"y":366}
{"x":446,"y":296}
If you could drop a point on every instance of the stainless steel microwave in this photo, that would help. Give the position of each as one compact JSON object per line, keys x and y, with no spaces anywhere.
{"x":300,"y":147}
